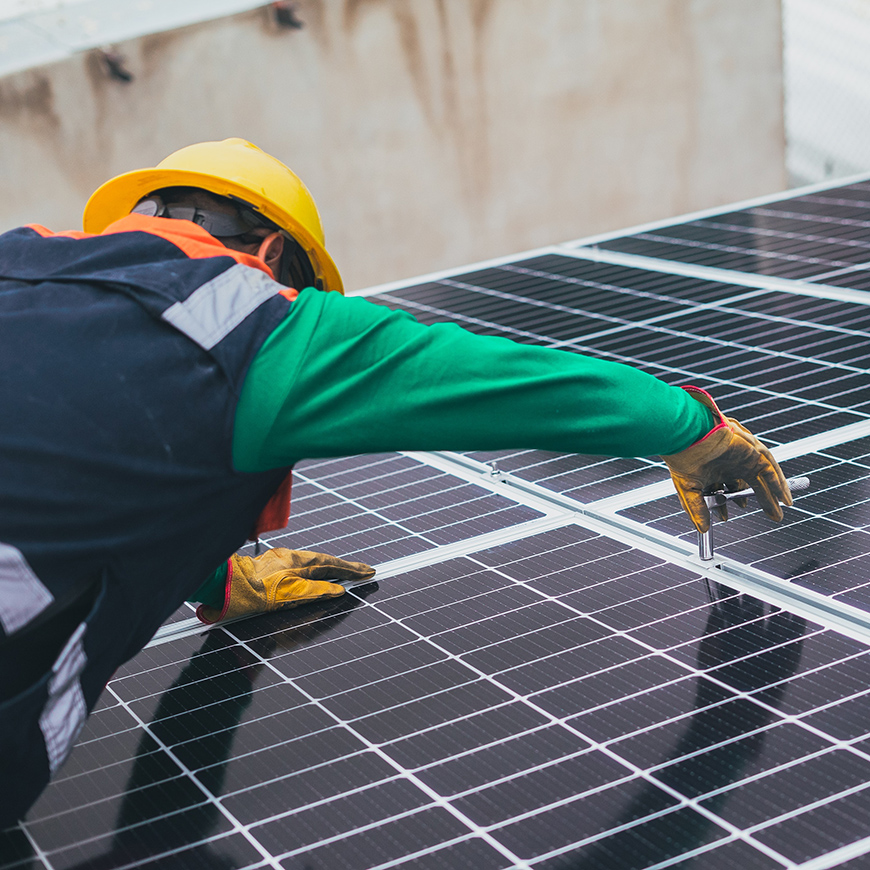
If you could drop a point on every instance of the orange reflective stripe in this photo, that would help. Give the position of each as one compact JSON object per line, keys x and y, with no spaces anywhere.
{"x":185,"y":235}
{"x":47,"y":233}
{"x":194,"y":241}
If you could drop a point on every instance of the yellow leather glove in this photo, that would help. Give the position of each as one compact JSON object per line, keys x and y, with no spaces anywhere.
{"x":729,"y":456}
{"x":281,"y":578}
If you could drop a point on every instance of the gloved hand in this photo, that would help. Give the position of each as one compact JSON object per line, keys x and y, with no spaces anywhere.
{"x":281,"y":578}
{"x":728,"y":456}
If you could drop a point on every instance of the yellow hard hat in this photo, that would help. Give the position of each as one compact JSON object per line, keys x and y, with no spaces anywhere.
{"x":233,"y":168}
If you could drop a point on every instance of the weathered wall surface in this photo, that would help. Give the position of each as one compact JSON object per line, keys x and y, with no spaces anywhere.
{"x":431,"y":132}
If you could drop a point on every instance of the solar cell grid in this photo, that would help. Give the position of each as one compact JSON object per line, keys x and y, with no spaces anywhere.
{"x":608,"y":736}
{"x":385,"y":508}
{"x":581,"y":273}
{"x":607,"y":301}
{"x":820,"y":236}
{"x":429,"y":314}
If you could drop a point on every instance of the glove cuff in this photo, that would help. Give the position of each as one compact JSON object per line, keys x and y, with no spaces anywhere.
{"x":201,"y":611}
{"x":708,"y":401}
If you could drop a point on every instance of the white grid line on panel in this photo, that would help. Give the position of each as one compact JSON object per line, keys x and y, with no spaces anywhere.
{"x":311,"y":769}
{"x":604,"y":747}
{"x":580,"y":341}
{"x":751,"y":293}
{"x":433,"y":795}
{"x":688,"y":307}
{"x":757,"y":777}
{"x":385,"y":465}
{"x":811,"y":805}
{"x":557,"y":720}
{"x":477,"y":321}
{"x":737,"y":249}
{"x":650,"y":323}
{"x":838,"y":856}
{"x":61,"y":778}
{"x":499,"y":742}
{"x":720,"y":276}
{"x":817,"y":218}
{"x":38,"y":852}
{"x":386,"y":519}
{"x":544,"y":765}
{"x":754,"y":202}
{"x":736,"y":834}
{"x":362,"y":509}
{"x":421,"y":853}
{"x":207,"y":795}
{"x":693,"y":853}
{"x":836,"y":273}
{"x":805,"y":602}
{"x":853,"y":203}
{"x":618,"y":322}
{"x":785,"y":234}
{"x":373,"y":826}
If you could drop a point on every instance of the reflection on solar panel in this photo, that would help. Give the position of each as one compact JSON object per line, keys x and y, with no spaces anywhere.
{"x":546,"y":676}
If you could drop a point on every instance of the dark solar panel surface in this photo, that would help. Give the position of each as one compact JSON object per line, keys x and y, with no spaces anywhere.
{"x":522,"y":703}
{"x":560,"y":698}
{"x":379,"y":508}
{"x":820,"y":237}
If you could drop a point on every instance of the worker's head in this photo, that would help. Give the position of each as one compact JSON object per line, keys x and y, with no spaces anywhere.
{"x":244,"y":197}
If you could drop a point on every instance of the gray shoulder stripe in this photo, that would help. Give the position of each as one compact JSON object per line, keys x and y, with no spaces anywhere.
{"x":22,"y":594}
{"x":65,"y":710}
{"x":216,"y":308}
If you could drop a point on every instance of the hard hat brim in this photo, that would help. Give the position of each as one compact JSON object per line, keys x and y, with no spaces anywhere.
{"x":118,"y":196}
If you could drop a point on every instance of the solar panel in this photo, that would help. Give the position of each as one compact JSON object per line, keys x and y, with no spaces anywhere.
{"x":545,"y":675}
{"x":819,"y":237}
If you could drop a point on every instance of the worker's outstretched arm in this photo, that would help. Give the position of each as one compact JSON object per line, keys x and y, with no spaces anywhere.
{"x":342,"y":376}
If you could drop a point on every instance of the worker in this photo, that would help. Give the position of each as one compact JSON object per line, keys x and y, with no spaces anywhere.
{"x":164,"y":369}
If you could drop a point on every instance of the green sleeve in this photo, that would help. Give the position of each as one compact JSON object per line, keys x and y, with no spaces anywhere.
{"x":212,"y":591}
{"x":344,"y":376}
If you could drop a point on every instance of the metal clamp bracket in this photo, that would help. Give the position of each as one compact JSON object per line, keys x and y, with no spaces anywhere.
{"x":721,"y":497}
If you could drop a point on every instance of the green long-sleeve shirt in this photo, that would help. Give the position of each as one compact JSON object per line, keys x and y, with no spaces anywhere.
{"x":342,"y":376}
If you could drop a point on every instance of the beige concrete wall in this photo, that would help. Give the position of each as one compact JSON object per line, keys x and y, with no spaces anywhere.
{"x":431,"y":132}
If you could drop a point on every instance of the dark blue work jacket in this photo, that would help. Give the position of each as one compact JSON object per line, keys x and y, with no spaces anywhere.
{"x":122,"y":357}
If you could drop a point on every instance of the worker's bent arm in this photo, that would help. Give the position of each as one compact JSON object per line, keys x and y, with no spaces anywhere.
{"x":342,"y":376}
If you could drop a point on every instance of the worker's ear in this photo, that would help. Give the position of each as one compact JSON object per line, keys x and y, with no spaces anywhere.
{"x":270,"y":251}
